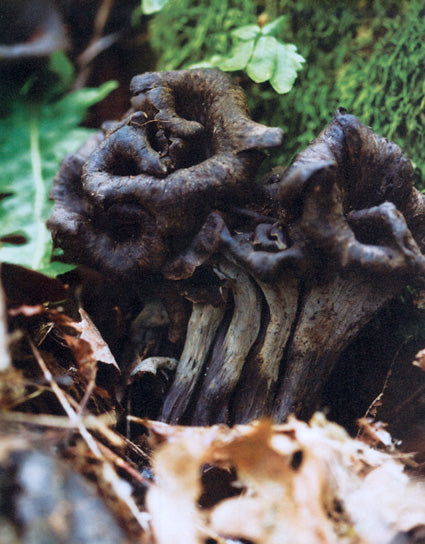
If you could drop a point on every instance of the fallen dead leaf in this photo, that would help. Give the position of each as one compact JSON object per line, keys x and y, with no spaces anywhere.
{"x":300,"y":482}
{"x":419,"y":360}
{"x":91,"y":334}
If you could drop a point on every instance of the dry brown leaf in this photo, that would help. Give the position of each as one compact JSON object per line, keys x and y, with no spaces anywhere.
{"x":284,"y":500}
{"x":375,"y":433}
{"x":172,"y":500}
{"x":85,"y":341}
{"x":23,"y":286}
{"x":91,"y":334}
{"x":27,"y":311}
{"x":308,"y":483}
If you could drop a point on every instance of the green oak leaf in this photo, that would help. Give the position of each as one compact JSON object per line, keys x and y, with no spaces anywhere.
{"x":247,"y":32}
{"x":238,"y":57}
{"x":262,"y":64}
{"x":288,"y":62}
{"x":275,"y":27}
{"x":261,"y":55}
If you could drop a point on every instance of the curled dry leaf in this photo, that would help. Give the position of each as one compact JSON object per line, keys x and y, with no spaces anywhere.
{"x":420,"y":359}
{"x":299,"y":482}
{"x":90,"y":353}
{"x":85,"y":342}
{"x":91,"y":334}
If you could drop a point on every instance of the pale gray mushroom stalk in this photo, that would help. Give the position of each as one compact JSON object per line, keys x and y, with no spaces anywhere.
{"x":201,"y":331}
{"x":228,"y":357}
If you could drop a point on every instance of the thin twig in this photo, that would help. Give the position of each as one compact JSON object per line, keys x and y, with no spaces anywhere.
{"x":108,"y":471}
{"x":59,"y":422}
{"x":102,"y":17}
{"x":96,"y":45}
{"x":87,"y":394}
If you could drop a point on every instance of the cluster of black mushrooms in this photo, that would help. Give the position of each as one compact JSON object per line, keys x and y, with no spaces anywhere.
{"x":280,"y":273}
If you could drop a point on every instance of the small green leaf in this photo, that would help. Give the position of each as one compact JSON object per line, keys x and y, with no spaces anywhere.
{"x":212,"y":62}
{"x":248,"y":32}
{"x":237,"y":58}
{"x":60,"y":65}
{"x":153,"y":6}
{"x":288,"y":62}
{"x":262,"y":64}
{"x":34,"y":138}
{"x":274,"y":27}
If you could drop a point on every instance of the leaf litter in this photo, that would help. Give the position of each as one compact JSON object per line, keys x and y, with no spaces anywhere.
{"x":300,"y":482}
{"x":64,"y":426}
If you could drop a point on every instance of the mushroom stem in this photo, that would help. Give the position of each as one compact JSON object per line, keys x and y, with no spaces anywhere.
{"x":228,"y":358}
{"x":331,"y":315}
{"x":256,"y":389}
{"x":202,"y":327}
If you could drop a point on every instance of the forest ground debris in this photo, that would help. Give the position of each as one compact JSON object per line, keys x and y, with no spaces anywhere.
{"x":264,"y":483}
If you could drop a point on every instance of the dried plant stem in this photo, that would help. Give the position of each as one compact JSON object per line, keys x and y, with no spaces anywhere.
{"x":122,"y":491}
{"x":97,"y":44}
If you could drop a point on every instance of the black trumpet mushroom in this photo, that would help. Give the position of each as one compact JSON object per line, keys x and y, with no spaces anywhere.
{"x":280,"y":274}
